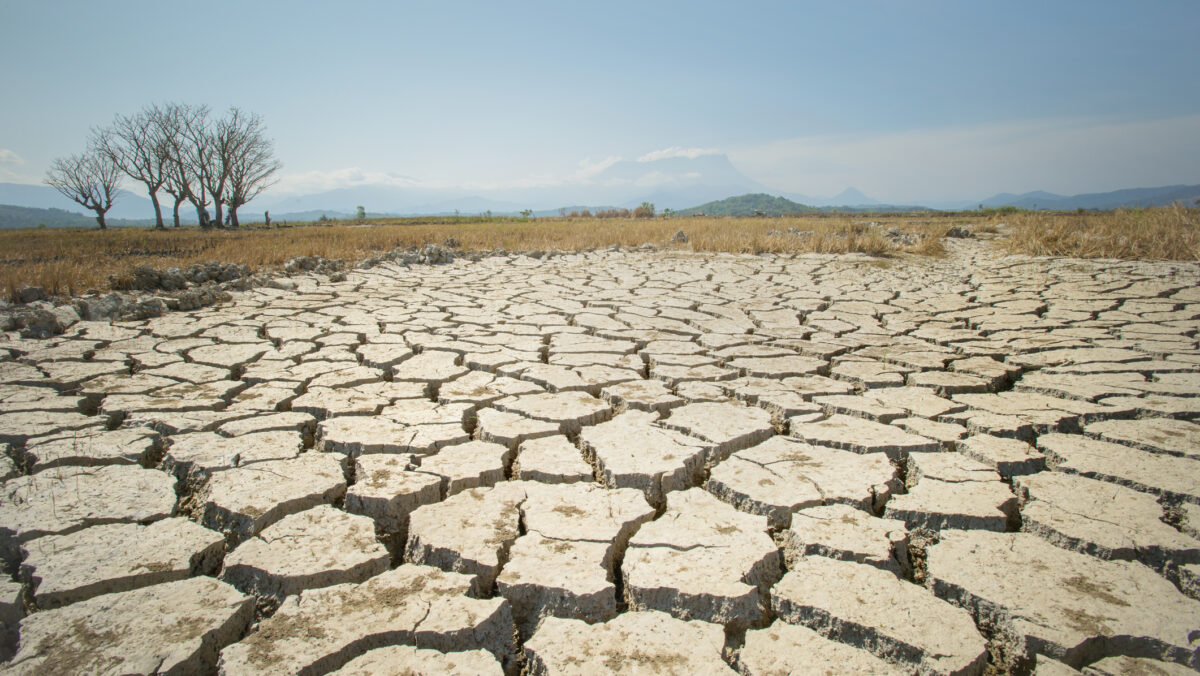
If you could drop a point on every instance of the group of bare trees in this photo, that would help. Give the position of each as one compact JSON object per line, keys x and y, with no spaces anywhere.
{"x":177,"y":149}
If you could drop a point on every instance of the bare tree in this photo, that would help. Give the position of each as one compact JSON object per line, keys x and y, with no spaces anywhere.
{"x":250,"y":161}
{"x":91,"y":179}
{"x":137,"y":145}
{"x":178,"y":124}
{"x":212,"y":146}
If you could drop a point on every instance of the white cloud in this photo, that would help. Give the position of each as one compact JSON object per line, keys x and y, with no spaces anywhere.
{"x":588,"y":168}
{"x":9,"y":157}
{"x":970,"y":162}
{"x":675,"y":151}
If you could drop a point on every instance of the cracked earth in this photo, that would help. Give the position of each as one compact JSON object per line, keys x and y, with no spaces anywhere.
{"x":647,"y":462}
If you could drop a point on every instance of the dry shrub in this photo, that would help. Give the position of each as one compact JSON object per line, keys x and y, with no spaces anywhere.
{"x":1160,"y":233}
{"x":73,"y":261}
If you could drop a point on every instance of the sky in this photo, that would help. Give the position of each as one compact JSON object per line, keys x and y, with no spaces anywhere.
{"x":906,"y":101}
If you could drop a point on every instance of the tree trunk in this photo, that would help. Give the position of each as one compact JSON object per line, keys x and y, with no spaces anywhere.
{"x":219,"y":221}
{"x":158,"y":221}
{"x":178,"y":201}
{"x":100,"y":219}
{"x":202,"y":216}
{"x":233,"y":222}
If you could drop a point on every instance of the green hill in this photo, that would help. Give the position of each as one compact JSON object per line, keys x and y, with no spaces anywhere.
{"x":29,"y":217}
{"x":759,"y":204}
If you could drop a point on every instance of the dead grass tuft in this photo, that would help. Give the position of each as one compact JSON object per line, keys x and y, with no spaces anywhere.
{"x":1161,"y":233}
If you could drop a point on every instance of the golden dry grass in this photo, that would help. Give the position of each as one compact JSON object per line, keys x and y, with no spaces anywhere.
{"x":70,"y":262}
{"x":1161,"y":233}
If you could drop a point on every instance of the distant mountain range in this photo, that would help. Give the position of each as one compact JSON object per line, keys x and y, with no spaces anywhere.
{"x":678,"y":183}
{"x":1188,"y":195}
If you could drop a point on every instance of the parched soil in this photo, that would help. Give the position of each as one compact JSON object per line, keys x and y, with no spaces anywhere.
{"x":646,"y":461}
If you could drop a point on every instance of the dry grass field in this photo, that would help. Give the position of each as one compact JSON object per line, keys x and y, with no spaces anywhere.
{"x":69,"y":262}
{"x":1164,"y":233}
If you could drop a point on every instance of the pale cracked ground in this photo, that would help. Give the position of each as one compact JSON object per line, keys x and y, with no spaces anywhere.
{"x":633,"y":462}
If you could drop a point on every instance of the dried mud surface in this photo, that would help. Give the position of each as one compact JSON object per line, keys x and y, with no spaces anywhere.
{"x":626,"y":461}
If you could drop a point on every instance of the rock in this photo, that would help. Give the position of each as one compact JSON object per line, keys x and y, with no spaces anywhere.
{"x":175,"y":627}
{"x":324,"y":629}
{"x":784,"y":648}
{"x":633,"y":642}
{"x":1101,"y":519}
{"x":847,"y":534}
{"x":119,"y":557}
{"x":780,"y":476}
{"x":551,"y":460}
{"x":872,"y":609}
{"x":404,"y":659}
{"x":702,"y":560}
{"x":66,"y":499}
{"x":242,"y":501}
{"x":630,"y":451}
{"x":318,"y":547}
{"x":1069,"y":606}
{"x":959,"y":232}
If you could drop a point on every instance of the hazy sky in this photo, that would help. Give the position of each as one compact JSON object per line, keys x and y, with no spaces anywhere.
{"x":906,"y":101}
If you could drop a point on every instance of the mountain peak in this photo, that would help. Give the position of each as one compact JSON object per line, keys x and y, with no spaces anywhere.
{"x":851,"y":197}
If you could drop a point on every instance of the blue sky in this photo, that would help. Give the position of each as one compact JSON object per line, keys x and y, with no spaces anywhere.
{"x":903,"y":100}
